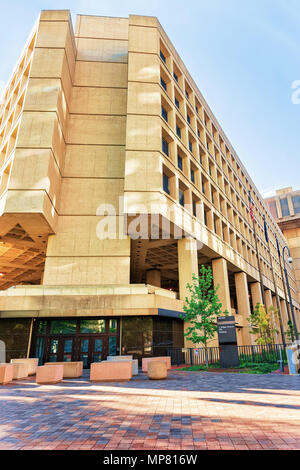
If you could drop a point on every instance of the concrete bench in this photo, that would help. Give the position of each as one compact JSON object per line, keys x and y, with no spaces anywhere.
{"x":135,"y":362}
{"x":119,"y":358}
{"x":32,"y":364}
{"x":20,"y":370}
{"x":6,"y":373}
{"x":49,"y":374}
{"x":146,"y":360}
{"x":111,"y":371}
{"x":71,"y":369}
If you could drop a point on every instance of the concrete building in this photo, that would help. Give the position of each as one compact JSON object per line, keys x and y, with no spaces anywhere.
{"x":96,"y":126}
{"x":285,"y":208}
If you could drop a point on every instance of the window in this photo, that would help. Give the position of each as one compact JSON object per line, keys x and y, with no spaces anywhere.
{"x":190,"y":146}
{"x":186,"y":94}
{"x":198,"y":132}
{"x":273,"y":209}
{"x":162,"y":56}
{"x":188,"y":118}
{"x":178,"y":131}
{"x":165,"y":146}
{"x":284,"y":207}
{"x":203,"y":187}
{"x":177,"y":103}
{"x":180,"y":164}
{"x":92,"y":326}
{"x":296,"y":204}
{"x":164,"y":113}
{"x":194,"y":208}
{"x":197,"y":110}
{"x":166,"y":183}
{"x":163,"y":83}
{"x":62,"y":327}
{"x":200,"y":157}
{"x":175,"y":77}
{"x":181,"y":197}
{"x":192,"y":176}
{"x":205,"y":217}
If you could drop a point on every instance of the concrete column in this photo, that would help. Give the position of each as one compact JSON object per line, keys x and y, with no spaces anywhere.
{"x":187,"y":264}
{"x":220,"y":274}
{"x":284,"y":313}
{"x":256,"y":293}
{"x":268,"y":298}
{"x":243,"y":304}
{"x":153,"y":277}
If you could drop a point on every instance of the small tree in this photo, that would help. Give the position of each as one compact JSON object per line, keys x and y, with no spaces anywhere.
{"x":260,"y":322}
{"x":202,"y":309}
{"x":290,"y":333}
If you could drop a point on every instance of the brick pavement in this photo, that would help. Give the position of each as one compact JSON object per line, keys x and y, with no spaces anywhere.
{"x":190,"y":410}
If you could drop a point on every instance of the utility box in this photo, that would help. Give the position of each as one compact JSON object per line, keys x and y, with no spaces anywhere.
{"x":293,"y":357}
{"x":229,"y":356}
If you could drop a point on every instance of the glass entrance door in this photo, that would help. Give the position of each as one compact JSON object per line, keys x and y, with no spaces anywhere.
{"x":60,"y":349}
{"x":92,"y":350}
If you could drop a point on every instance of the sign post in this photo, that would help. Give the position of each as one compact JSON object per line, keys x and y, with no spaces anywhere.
{"x":229,"y":356}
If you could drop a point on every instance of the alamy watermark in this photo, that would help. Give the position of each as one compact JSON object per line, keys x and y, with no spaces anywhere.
{"x":149,"y":222}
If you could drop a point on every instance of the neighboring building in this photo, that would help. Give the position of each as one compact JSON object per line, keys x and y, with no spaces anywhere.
{"x":110,"y":115}
{"x":285,"y":208}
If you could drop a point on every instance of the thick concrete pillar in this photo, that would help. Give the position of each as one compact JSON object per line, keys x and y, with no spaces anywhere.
{"x":220,"y":274}
{"x":256,"y":294}
{"x":284,"y":313}
{"x":153,"y":277}
{"x":187,"y":264}
{"x":268,"y":298}
{"x":243,"y":304}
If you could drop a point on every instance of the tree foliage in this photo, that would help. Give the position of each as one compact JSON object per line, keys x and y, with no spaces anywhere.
{"x":261,"y":325}
{"x":290,"y":333}
{"x":202,"y":308}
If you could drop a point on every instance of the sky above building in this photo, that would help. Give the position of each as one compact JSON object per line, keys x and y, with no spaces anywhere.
{"x":243,"y":55}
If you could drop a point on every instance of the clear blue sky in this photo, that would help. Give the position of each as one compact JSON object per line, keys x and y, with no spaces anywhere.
{"x":243,"y":54}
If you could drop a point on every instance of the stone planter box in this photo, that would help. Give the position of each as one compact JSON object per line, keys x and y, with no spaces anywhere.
{"x":49,"y":374}
{"x":119,"y":358}
{"x":135,"y":364}
{"x":111,"y":371}
{"x":32,"y":364}
{"x":146,"y":361}
{"x":6,"y":373}
{"x":72,"y":370}
{"x":20,"y":370}
{"x":157,"y":370}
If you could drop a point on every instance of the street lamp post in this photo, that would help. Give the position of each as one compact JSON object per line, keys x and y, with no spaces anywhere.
{"x":290,"y":260}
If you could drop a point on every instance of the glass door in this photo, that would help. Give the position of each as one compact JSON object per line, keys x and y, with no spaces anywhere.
{"x":91,"y":350}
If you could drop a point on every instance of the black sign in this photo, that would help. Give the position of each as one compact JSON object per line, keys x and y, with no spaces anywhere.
{"x":227,"y":342}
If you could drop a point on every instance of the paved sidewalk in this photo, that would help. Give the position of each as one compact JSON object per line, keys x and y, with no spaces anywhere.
{"x":190,"y":410}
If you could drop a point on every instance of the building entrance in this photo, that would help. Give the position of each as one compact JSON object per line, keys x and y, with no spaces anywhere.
{"x":86,"y":340}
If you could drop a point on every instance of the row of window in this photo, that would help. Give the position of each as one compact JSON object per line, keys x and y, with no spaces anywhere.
{"x":172,"y":67}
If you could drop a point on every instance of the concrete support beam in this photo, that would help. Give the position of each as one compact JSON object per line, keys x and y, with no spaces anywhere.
{"x":220,"y":274}
{"x":243,"y":304}
{"x":256,"y":294}
{"x":187,"y":264}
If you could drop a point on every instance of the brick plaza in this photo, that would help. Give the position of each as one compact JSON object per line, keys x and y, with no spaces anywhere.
{"x":190,"y":410}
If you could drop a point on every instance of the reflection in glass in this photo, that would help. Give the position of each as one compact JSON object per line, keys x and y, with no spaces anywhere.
{"x":113,"y":326}
{"x":42,"y":327}
{"x":84,"y":345}
{"x":40,"y":350}
{"x":112,"y":346}
{"x":92,"y":326}
{"x":62,"y":327}
{"x":98,"y":345}
{"x":54,"y":346}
